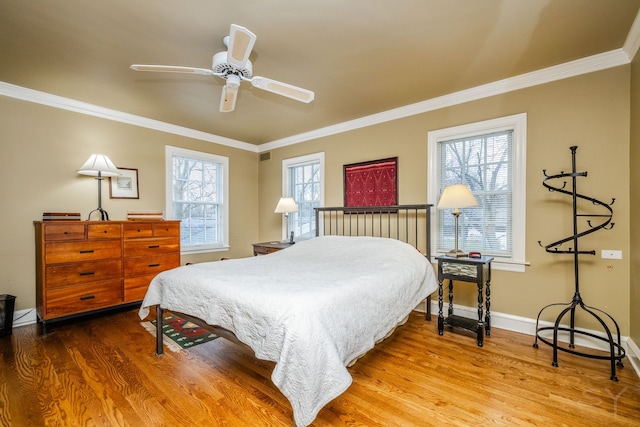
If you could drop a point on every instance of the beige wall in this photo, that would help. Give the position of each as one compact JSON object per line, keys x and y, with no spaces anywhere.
{"x":634,"y":162}
{"x":42,"y":147}
{"x":590,"y":111}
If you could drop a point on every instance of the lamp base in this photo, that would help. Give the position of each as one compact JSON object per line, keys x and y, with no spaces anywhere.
{"x":456,"y":253}
{"x":104,"y":216}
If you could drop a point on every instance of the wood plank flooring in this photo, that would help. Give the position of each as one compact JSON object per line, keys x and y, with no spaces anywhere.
{"x":103,"y":372}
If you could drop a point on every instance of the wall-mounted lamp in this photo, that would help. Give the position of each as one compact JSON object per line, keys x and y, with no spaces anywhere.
{"x":456,"y":197}
{"x":285,"y":206}
{"x":99,"y":166}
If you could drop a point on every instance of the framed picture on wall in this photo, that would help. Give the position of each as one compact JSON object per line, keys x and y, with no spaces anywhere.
{"x":372,"y":183}
{"x":124,"y":186}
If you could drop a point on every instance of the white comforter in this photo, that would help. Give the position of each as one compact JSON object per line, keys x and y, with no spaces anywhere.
{"x":311,"y":308}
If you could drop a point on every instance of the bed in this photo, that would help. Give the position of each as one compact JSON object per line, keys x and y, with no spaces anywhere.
{"x":315,"y":307}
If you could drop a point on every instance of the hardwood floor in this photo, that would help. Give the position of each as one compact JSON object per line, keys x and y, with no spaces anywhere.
{"x":103,"y":372}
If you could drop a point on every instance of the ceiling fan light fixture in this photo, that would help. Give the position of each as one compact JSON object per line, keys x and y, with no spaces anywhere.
{"x":233,"y":80}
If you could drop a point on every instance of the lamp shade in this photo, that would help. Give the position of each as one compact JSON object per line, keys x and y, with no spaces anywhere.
{"x":99,"y":163}
{"x":457,"y":196}
{"x":286,"y":205}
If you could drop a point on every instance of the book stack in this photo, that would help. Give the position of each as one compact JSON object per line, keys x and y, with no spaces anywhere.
{"x":61,"y":216}
{"x":145,"y":215}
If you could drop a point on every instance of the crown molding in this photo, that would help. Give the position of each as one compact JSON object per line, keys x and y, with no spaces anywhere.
{"x":578,"y":67}
{"x":55,"y":101}
{"x":632,"y":43}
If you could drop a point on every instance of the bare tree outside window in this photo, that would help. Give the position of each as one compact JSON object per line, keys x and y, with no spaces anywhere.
{"x":197,"y":198}
{"x":484,"y":163}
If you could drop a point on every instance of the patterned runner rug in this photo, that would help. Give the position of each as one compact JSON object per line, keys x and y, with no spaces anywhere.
{"x":181,"y":333}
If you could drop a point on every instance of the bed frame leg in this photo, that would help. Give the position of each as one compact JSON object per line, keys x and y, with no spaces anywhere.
{"x":159,"y":334}
{"x":428,"y":308}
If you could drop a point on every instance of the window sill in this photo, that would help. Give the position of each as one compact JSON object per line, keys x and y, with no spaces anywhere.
{"x":202,"y":250}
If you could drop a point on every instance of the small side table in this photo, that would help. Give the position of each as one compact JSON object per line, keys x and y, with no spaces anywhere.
{"x":269,"y":247}
{"x":474,"y":270}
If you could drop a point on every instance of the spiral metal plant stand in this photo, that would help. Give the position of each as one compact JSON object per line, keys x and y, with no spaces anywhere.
{"x":616,"y":352}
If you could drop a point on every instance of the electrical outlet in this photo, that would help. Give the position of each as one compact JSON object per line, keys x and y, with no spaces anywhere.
{"x":611,"y":254}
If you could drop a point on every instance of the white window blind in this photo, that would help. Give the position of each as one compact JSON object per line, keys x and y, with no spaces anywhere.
{"x":485,"y":164}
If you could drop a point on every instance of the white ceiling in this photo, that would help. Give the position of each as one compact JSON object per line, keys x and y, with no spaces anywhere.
{"x":360,"y":57}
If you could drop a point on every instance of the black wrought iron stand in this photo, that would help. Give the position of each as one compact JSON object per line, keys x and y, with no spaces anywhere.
{"x":616,"y":352}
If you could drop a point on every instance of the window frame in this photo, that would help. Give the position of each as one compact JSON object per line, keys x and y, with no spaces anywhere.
{"x":170,"y":152}
{"x":518,"y":124}
{"x":286,"y":178}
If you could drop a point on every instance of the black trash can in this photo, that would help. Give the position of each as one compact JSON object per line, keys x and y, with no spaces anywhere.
{"x":7,"y":304}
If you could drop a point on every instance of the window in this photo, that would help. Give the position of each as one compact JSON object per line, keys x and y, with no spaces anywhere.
{"x":197,"y":188}
{"x":490,"y":157}
{"x":303,"y":180}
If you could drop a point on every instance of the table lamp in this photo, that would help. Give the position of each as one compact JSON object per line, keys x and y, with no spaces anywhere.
{"x":456,"y":197}
{"x":99,"y":166}
{"x":285,"y":206}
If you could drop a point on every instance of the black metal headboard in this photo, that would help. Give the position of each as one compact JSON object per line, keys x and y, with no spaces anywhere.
{"x":409,"y":223}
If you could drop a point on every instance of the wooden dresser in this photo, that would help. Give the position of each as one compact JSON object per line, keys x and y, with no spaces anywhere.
{"x":88,"y":266}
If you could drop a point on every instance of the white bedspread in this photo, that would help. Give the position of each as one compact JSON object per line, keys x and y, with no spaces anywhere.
{"x":311,"y":308}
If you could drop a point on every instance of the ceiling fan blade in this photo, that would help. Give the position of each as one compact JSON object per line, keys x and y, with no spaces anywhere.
{"x":228,"y":98}
{"x":240,"y":44}
{"x":284,"y":89}
{"x":172,"y":69}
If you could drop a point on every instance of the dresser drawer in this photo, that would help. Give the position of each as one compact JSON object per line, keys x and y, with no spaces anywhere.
{"x":462,"y":270}
{"x":77,"y":299}
{"x":167,"y":229}
{"x":138,"y":229}
{"x":150,"y":247}
{"x":66,"y":231}
{"x":104,"y":230}
{"x":58,"y":252}
{"x":136,"y":287}
{"x":76,"y":274}
{"x":150,"y":265}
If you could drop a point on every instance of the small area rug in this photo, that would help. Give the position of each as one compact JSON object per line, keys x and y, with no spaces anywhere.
{"x":181,"y":333}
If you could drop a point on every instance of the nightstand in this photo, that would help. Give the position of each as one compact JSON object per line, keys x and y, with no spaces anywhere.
{"x":473,"y":270}
{"x":269,"y":247}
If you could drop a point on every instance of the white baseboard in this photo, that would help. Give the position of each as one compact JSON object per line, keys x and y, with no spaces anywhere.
{"x":525,"y":325}
{"x":24,"y":317}
{"x":633,"y":353}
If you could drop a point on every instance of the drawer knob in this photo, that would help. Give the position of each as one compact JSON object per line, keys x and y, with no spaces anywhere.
{"x":87,"y":273}
{"x":154,"y":265}
{"x":154,"y":246}
{"x":86,"y":251}
{"x":86,"y":297}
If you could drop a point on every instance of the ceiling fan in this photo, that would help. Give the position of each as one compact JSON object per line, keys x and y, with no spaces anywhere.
{"x":234,"y":66}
